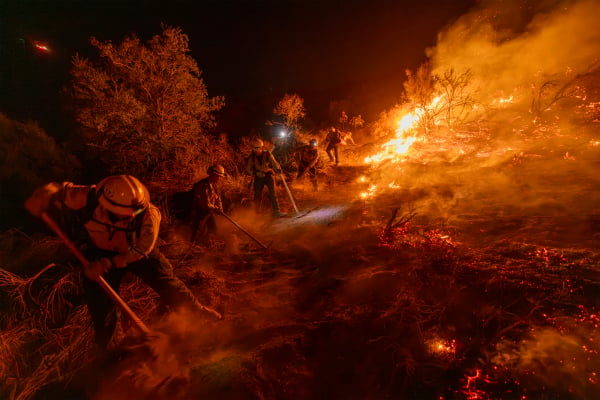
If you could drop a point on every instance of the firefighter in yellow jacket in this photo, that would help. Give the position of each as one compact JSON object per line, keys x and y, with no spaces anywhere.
{"x":261,"y":165}
{"x":118,"y":228}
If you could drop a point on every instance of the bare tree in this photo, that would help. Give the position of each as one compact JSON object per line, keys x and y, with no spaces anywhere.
{"x":291,"y":108}
{"x":457,"y":97}
{"x":551,"y":91}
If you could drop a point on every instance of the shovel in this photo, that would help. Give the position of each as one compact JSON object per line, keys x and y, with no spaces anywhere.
{"x":101,"y":281}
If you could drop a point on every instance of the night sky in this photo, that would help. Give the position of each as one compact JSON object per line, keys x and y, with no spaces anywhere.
{"x":350,"y":54}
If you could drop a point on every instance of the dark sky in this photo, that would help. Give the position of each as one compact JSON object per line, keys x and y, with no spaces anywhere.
{"x":333,"y":53}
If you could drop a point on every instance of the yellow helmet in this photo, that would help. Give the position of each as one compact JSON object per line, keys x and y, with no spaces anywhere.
{"x":257,"y":144}
{"x":123,"y":195}
{"x":216,"y":169}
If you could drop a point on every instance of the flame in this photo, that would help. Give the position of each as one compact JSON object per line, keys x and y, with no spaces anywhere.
{"x":503,"y":100}
{"x":400,"y":145}
{"x":369,"y":193}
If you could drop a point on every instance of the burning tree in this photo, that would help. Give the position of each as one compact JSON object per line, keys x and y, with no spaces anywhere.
{"x":144,"y":108}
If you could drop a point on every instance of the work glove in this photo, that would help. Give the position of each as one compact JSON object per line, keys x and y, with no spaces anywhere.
{"x":120,"y":261}
{"x":96,"y":268}
{"x":40,"y":199}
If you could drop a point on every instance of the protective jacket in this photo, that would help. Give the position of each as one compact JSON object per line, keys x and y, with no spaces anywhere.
{"x":309,"y":156}
{"x":333,"y":138}
{"x":261,"y":165}
{"x":132,"y":240}
{"x":206,"y":196}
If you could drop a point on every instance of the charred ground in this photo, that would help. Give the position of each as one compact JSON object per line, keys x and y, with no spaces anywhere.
{"x":423,"y":292}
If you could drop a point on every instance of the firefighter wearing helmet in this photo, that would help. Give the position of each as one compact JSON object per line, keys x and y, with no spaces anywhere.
{"x":206,"y":203}
{"x":307,"y":162}
{"x":261,"y":165}
{"x":119,"y":227}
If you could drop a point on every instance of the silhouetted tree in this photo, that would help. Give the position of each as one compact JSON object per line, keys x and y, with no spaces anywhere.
{"x":145,"y":109}
{"x":291,"y":108}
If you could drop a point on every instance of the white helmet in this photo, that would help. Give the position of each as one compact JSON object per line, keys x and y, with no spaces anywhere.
{"x":216,"y":169}
{"x":257,"y":144}
{"x":123,"y":195}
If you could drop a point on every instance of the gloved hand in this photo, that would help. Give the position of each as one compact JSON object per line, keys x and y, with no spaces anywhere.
{"x":39,"y":200}
{"x":97,"y":267}
{"x":119,"y":261}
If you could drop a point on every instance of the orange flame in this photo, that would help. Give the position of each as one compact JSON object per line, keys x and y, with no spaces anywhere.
{"x":400,"y":145}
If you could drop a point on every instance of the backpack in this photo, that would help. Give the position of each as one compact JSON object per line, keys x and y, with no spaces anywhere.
{"x":87,"y":214}
{"x":335,"y":137}
{"x":181,"y":204}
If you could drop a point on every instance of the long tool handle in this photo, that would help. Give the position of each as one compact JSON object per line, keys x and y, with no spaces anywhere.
{"x":245,"y":231}
{"x":289,"y":193}
{"x":101,"y":281}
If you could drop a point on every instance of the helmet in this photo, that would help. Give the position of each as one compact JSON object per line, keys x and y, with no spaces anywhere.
{"x":313,"y":142}
{"x":123,"y":195}
{"x":216,"y":169}
{"x":257,"y":143}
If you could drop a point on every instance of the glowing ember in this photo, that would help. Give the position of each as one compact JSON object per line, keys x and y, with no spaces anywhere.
{"x":504,"y":100}
{"x":442,"y":348}
{"x":369,"y":193}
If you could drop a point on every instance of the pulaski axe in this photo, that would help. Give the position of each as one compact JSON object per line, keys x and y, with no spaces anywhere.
{"x":101,"y":281}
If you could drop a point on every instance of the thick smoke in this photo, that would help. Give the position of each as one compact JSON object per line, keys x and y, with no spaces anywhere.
{"x":518,"y":157}
{"x":510,"y":45}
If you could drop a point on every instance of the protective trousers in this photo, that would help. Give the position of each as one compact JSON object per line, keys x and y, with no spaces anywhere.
{"x":332,"y":150}
{"x":155,"y":270}
{"x":259,"y":183}
{"x":312,"y":174}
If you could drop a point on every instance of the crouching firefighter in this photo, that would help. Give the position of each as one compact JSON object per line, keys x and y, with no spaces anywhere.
{"x":308,"y":159}
{"x":206,"y":203}
{"x":117,"y":227}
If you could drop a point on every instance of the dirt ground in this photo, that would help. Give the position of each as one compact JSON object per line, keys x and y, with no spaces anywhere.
{"x":445,"y":288}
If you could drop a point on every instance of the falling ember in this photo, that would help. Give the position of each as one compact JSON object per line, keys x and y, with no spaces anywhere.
{"x":41,"y":47}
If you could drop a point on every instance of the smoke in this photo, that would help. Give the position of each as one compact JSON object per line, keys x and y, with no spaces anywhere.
{"x":560,"y":361}
{"x":513,"y":44}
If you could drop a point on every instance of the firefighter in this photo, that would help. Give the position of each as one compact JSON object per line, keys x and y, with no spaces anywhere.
{"x":334,"y":138}
{"x":117,"y":227}
{"x":206,"y":203}
{"x":261,"y":165}
{"x":308,"y":159}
